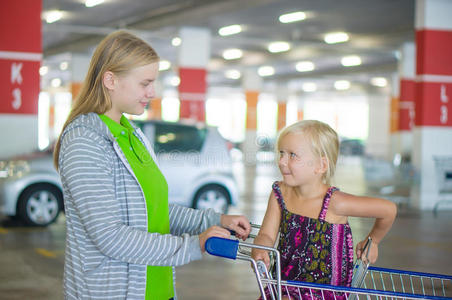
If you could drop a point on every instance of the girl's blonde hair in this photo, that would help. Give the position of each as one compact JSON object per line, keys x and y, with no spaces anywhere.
{"x":119,"y":52}
{"x":324,"y":142}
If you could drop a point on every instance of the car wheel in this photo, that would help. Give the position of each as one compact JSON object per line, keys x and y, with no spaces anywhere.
{"x":40,"y":205}
{"x":212,"y":196}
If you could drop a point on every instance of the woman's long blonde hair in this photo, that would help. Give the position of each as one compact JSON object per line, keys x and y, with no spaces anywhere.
{"x":119,"y":52}
{"x":324,"y":142}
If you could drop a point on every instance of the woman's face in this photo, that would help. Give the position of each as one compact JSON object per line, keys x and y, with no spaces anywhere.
{"x":133,"y":91}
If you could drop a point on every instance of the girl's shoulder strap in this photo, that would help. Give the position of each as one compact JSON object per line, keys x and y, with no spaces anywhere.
{"x":277,"y":191}
{"x":326,"y":202}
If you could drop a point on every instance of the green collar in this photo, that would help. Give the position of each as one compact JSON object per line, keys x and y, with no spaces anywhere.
{"x":118,"y":129}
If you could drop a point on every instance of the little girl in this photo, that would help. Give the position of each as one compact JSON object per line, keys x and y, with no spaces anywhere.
{"x":311,"y":215}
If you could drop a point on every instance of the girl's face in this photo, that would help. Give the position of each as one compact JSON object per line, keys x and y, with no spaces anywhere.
{"x":132,"y":92}
{"x":297,"y":163}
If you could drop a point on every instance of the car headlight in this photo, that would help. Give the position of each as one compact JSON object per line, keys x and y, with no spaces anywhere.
{"x":14,"y":168}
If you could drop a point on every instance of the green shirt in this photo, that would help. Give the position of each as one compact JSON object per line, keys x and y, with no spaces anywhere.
{"x":159,"y":282}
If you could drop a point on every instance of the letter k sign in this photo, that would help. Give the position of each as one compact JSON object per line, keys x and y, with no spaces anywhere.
{"x":15,"y":73}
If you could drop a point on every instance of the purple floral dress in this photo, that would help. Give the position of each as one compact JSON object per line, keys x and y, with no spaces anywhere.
{"x":313,"y":250}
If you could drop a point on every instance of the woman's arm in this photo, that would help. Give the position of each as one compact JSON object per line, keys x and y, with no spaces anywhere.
{"x":269,"y":230}
{"x":384,"y":212}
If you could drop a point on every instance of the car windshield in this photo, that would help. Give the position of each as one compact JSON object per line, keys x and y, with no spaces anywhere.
{"x":174,"y":137}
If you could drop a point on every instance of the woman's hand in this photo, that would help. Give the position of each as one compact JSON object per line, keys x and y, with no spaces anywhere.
{"x":373,"y":251}
{"x":239,"y":224}
{"x":210,"y":232}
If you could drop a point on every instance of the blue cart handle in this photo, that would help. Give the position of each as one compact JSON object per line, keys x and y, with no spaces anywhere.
{"x":226,"y":248}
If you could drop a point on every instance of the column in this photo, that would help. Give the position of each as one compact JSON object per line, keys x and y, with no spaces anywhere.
{"x":407,"y":68}
{"x":282,"y":95}
{"x":252,"y":84}
{"x":194,"y":55}
{"x":394,"y":115}
{"x":79,"y":68}
{"x":432,"y":135}
{"x":20,"y":59}
{"x":378,"y":139}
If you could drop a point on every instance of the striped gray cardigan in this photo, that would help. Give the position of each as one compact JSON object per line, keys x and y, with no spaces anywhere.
{"x":107,"y":243}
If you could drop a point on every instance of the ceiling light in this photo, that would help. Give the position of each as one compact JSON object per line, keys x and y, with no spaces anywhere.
{"x":278,"y":47}
{"x":292,"y":17}
{"x":350,"y":61}
{"x":342,"y":85}
{"x":176,"y":41}
{"x":266,"y":71}
{"x":304,"y":66}
{"x":64,"y":65}
{"x":335,"y":37}
{"x":233,"y":74}
{"x":43,"y":70}
{"x":379,"y":81}
{"x":309,"y":87}
{"x":53,"y":16}
{"x":175,"y":80}
{"x":229,"y":30}
{"x":232,"y":54}
{"x":91,"y":3}
{"x":164,"y":65}
{"x":56,"y":82}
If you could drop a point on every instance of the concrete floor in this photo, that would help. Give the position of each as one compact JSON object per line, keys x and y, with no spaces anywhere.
{"x":31,"y":259}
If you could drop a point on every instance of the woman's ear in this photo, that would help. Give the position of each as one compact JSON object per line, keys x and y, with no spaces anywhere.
{"x":109,"y":80}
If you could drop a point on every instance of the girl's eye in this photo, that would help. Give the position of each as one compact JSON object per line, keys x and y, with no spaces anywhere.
{"x":293,"y":155}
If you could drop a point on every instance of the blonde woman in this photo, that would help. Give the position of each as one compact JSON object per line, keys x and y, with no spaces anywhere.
{"x":312,"y":216}
{"x":123,"y":239}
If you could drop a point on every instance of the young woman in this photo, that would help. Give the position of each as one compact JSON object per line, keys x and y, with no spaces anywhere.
{"x":123,"y":239}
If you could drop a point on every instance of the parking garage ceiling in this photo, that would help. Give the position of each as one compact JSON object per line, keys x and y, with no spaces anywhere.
{"x":376,"y":29}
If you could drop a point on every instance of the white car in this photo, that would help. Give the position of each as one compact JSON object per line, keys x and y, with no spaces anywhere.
{"x":194,"y":159}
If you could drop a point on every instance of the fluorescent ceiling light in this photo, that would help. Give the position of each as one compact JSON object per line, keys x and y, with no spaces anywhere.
{"x":292,"y":17}
{"x":229,"y":30}
{"x":232,"y":54}
{"x":342,"y":85}
{"x":56,"y":82}
{"x":175,"y":80}
{"x":64,"y":65}
{"x":350,"y":61}
{"x":164,"y":65}
{"x":176,"y":41}
{"x":278,"y":47}
{"x":304,"y":66}
{"x":335,"y":37}
{"x":91,"y":3}
{"x":53,"y":16}
{"x":379,"y":81}
{"x":233,"y":74}
{"x":309,"y":87}
{"x":266,"y":71}
{"x":43,"y":70}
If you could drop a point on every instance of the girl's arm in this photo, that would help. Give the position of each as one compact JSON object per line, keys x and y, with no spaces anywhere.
{"x":384,"y":212}
{"x":269,"y":230}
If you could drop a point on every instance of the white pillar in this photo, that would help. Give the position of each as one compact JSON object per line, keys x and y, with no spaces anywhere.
{"x":432,"y":135}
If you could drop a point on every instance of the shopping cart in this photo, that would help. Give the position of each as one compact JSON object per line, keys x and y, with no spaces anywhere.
{"x":373,"y":283}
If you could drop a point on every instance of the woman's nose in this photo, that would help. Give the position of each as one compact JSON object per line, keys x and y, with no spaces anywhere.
{"x":150,"y":91}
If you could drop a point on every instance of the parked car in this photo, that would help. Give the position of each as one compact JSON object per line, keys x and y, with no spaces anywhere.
{"x":194,"y":159}
{"x":351,"y":147}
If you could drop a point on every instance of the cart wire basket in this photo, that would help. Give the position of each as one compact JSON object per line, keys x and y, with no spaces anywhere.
{"x":368,"y":282}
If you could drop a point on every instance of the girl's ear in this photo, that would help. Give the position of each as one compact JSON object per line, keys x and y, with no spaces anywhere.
{"x":109,"y":80}
{"x":323,"y":165}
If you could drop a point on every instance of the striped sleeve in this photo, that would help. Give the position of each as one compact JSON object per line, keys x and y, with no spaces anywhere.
{"x":191,"y":221}
{"x":87,"y":174}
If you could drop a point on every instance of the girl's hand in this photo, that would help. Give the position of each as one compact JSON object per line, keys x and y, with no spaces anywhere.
{"x":373,"y":252}
{"x":258,"y":254}
{"x":210,"y":232}
{"x":239,"y":224}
